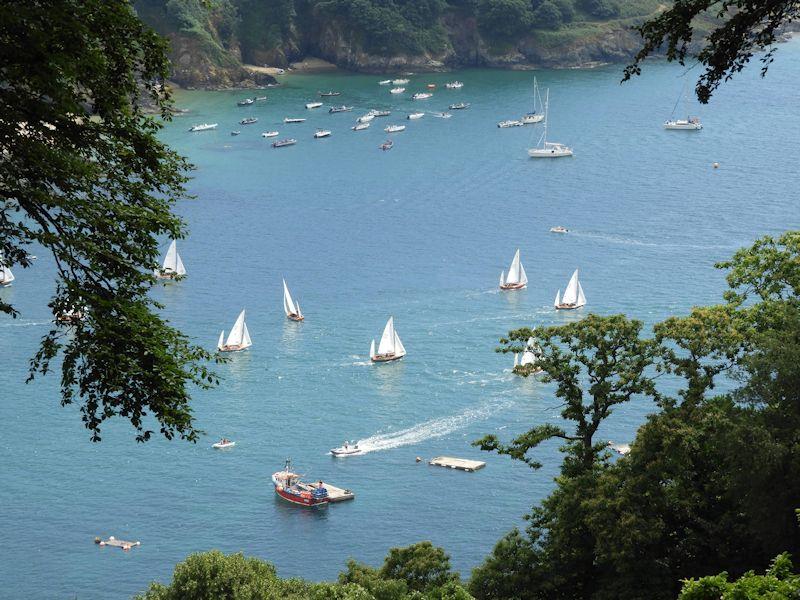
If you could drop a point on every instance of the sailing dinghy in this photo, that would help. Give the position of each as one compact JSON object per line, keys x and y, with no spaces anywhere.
{"x":516,"y":279}
{"x":573,"y":296}
{"x":290,"y":307}
{"x":173,"y":265}
{"x":390,"y":347}
{"x":238,"y":338}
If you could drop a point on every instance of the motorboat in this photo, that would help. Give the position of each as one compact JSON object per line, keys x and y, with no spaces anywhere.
{"x":313,"y":104}
{"x":269,"y":134}
{"x":399,"y":81}
{"x":339,"y":109}
{"x":510,"y":123}
{"x":203,"y":127}
{"x":394,"y":128}
{"x":360,"y":126}
{"x":245,"y":102}
{"x":238,"y":338}
{"x":286,"y":142}
{"x":380,"y":113}
{"x":385,"y":82}
{"x":322,"y":133}
{"x":223,"y":444}
{"x":235,"y":133}
{"x":387,"y":145}
{"x":248,"y":121}
{"x":454,"y":85}
{"x":366,"y":118}
{"x":293,"y":120}
{"x":397,"y":90}
{"x":459,"y":106}
{"x":390,"y":347}
{"x":421,"y":96}
{"x":441,"y":115}
{"x":573,"y":296}
{"x":289,"y":487}
{"x":261,"y":99}
{"x":559,"y":229}
{"x":346,"y":449}
{"x":415,"y":115}
{"x":329,"y":94}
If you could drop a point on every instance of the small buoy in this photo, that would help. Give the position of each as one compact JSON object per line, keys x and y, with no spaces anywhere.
{"x":419,"y":459}
{"x":716,"y":165}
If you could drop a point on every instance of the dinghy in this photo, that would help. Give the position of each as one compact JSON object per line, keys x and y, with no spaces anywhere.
{"x":290,"y":307}
{"x":573,"y":296}
{"x":346,"y":449}
{"x":360,"y":126}
{"x":559,"y":229}
{"x":516,"y":278}
{"x":173,"y":265}
{"x":390,"y":347}
{"x":223,"y":444}
{"x":6,"y":276}
{"x":238,"y":339}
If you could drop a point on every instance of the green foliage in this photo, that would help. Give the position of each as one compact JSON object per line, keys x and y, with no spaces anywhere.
{"x":86,"y":176}
{"x":504,"y":20}
{"x":548,"y":15}
{"x":779,"y":583}
{"x":601,"y":9}
{"x":740,"y":29}
{"x":422,"y":566}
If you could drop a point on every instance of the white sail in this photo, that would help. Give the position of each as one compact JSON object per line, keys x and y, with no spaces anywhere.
{"x":288,"y":304}
{"x":221,"y":341}
{"x":399,"y":349}
{"x":372,"y":349}
{"x":179,"y":268}
{"x":571,"y":293}
{"x":6,"y":276}
{"x":581,"y":297}
{"x":528,"y":358}
{"x":386,"y":345}
{"x":523,"y":277}
{"x":516,"y":360}
{"x":239,"y":336}
{"x":502,"y":278}
{"x":297,"y":306}
{"x":514,"y":270}
{"x":558,"y":298}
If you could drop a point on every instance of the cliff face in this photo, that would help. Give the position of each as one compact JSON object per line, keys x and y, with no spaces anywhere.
{"x":212,"y":41}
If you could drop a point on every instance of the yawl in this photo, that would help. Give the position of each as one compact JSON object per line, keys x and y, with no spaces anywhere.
{"x":390,"y":347}
{"x":516,"y":278}
{"x":573,"y":296}
{"x":290,"y":307}
{"x":238,"y":339}
{"x":173,"y":265}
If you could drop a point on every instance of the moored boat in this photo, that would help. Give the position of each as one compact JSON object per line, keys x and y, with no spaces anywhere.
{"x":390,"y":347}
{"x":573,"y":296}
{"x":454,"y":85}
{"x":245,"y":102}
{"x":510,"y":123}
{"x":421,"y":96}
{"x":397,"y":90}
{"x":441,"y":115}
{"x":249,"y":121}
{"x":459,"y":106}
{"x":394,"y":128}
{"x":203,"y":127}
{"x":235,"y":133}
{"x":399,"y":81}
{"x":290,"y":307}
{"x":516,"y":279}
{"x":360,"y":126}
{"x":283,"y":143}
{"x":559,"y":229}
{"x":293,"y":120}
{"x":172,"y":266}
{"x":339,"y":109}
{"x":431,"y":86}
{"x":385,"y":82}
{"x":415,"y":115}
{"x":329,"y":94}
{"x":365,"y":118}
{"x":545,"y":149}
{"x":223,"y":444}
{"x":289,"y":487}
{"x":238,"y":338}
{"x":313,"y":104}
{"x":534,"y":116}
{"x":322,"y":133}
{"x":387,"y":145}
{"x":687,"y":124}
{"x":380,"y":113}
{"x":269,"y":134}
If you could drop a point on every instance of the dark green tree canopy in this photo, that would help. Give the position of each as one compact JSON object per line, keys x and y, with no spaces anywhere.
{"x":84,"y":175}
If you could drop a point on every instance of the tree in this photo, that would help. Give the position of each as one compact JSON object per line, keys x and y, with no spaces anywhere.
{"x":421,"y":566}
{"x":84,"y":175}
{"x":596,"y":363}
{"x":743,"y":28}
{"x":547,"y":16}
{"x":778,"y":583}
{"x":602,"y":9}
{"x":503,"y":20}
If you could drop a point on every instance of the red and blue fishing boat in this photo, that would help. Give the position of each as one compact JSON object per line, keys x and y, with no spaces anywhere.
{"x":289,"y":487}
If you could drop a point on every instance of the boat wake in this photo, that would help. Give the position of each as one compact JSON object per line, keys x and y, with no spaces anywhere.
{"x":435,"y":428}
{"x":625,"y":241}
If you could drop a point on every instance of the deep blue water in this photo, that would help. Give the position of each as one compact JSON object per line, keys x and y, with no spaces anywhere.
{"x":422,"y":233}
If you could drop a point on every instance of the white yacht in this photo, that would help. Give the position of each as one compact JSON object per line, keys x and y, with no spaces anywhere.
{"x":394,"y":128}
{"x":172,"y":266}
{"x":313,"y":104}
{"x":390,"y":347}
{"x":536,"y":116}
{"x":690,"y":123}
{"x":415,"y":115}
{"x":399,"y":81}
{"x":238,"y":338}
{"x":269,"y":134}
{"x":421,"y":96}
{"x":454,"y":85}
{"x":203,"y":127}
{"x":293,"y":120}
{"x":360,"y":126}
{"x":397,"y":90}
{"x":516,"y":279}
{"x":573,"y":296}
{"x":510,"y":123}
{"x":322,"y":133}
{"x":545,"y":149}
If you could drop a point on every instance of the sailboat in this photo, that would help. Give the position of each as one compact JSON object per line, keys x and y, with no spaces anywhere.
{"x":173,"y":265}
{"x":516,"y":278}
{"x":690,"y":123}
{"x":534,"y":117}
{"x":390,"y":347}
{"x":238,"y":338}
{"x":573,"y":296}
{"x":6,"y":276}
{"x":545,"y":149}
{"x":530,"y":356}
{"x":290,"y":307}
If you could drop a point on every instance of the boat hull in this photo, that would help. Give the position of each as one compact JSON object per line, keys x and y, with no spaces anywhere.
{"x":386,"y":357}
{"x":233,"y":348}
{"x":568,"y":306}
{"x":513,"y":286}
{"x":294,"y":317}
{"x":308,"y":502}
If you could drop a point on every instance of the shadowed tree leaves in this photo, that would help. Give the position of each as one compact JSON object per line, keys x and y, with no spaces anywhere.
{"x":84,"y":175}
{"x":742,"y":29}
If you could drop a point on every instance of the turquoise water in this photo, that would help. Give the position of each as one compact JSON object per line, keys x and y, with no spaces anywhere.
{"x":420,"y":232}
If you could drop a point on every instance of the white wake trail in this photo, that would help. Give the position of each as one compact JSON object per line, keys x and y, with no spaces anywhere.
{"x":435,"y":428}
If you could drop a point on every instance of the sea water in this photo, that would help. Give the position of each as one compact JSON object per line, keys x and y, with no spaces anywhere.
{"x":421,"y":233}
